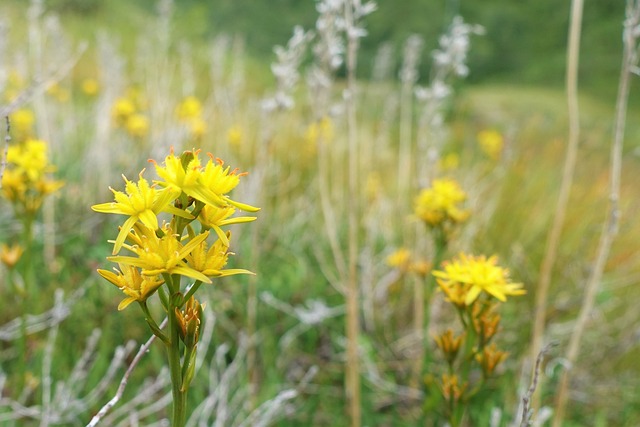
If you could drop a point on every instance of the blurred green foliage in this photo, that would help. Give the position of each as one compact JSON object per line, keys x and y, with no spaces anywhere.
{"x":525,"y":42}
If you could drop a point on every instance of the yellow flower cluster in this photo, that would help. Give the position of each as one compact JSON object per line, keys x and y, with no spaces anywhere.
{"x":467,"y":276}
{"x":26,"y":179}
{"x":439,"y":204}
{"x":188,"y":190}
{"x":189,"y":112}
{"x":128,"y":113}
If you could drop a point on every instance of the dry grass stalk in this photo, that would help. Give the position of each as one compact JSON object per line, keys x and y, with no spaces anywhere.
{"x":610,"y":226}
{"x":553,"y":239}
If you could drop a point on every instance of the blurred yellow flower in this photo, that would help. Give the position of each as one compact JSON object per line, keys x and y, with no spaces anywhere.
{"x":122,"y":109}
{"x":320,"y":131}
{"x":90,"y":87}
{"x":22,"y":121}
{"x":136,"y":286}
{"x":466,"y":277}
{"x":452,"y":390}
{"x":491,"y":143}
{"x":189,"y":108}
{"x":59,"y":93}
{"x":449,"y":162}
{"x":137,"y":125}
{"x":449,"y":344}
{"x":29,"y":158}
{"x":197,"y":127}
{"x":440,"y":203}
{"x":399,"y":259}
{"x":234,"y":135}
{"x":489,"y":359}
{"x":10,"y":255}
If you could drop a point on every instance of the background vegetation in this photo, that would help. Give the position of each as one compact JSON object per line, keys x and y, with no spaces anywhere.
{"x":515,"y":88}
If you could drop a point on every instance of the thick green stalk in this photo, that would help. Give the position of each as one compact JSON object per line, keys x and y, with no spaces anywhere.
{"x":179,"y":412}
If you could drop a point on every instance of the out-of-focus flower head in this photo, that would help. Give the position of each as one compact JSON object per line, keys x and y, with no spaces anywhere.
{"x":441,"y":203}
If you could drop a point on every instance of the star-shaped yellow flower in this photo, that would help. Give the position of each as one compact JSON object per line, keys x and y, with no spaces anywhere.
{"x":464,"y":278}
{"x":211,"y":262}
{"x":157,"y":255}
{"x":136,"y":286}
{"x":142,"y":202}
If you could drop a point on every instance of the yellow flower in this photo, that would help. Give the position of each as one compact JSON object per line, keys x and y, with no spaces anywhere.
{"x":137,"y":287}
{"x":211,"y":262}
{"x":490,"y":358}
{"x":221,"y":181}
{"x":90,"y":87}
{"x":190,"y":321}
{"x":29,"y":158}
{"x":198,"y":127}
{"x":141,"y":202}
{"x":186,"y":178}
{"x":449,"y":162}
{"x":157,"y":255}
{"x":215,"y":217}
{"x":10,"y":255}
{"x":234,"y":135}
{"x":137,"y":125}
{"x":320,"y":131}
{"x":464,"y":278}
{"x":491,"y":143}
{"x":59,"y":93}
{"x":189,"y":108}
{"x":122,"y":109}
{"x":441,"y":203}
{"x":22,"y":122}
{"x":399,"y":259}
{"x":449,"y":344}
{"x":452,"y":390}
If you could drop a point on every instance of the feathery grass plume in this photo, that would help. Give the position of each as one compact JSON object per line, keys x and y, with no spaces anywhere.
{"x":167,"y":253}
{"x":449,"y":62}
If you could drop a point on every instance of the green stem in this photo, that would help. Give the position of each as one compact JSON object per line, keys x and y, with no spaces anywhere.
{"x":192,"y":290}
{"x":179,"y":413}
{"x":152,"y":323}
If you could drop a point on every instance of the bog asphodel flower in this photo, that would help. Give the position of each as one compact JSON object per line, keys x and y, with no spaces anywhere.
{"x":489,"y":359}
{"x":158,"y":255}
{"x":136,"y":286}
{"x":441,"y":203}
{"x":141,"y":202}
{"x":466,"y":277}
{"x":491,"y":143}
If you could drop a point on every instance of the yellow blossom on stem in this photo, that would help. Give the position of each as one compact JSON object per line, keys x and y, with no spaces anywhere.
{"x":22,"y":123}
{"x":211,"y":261}
{"x":440,"y":203}
{"x":141,"y":202}
{"x":137,"y":125}
{"x":158,"y":255}
{"x":10,"y":255}
{"x":400,"y":259}
{"x":491,"y":142}
{"x":122,"y":109}
{"x":489,"y":359}
{"x":452,"y":390}
{"x":90,"y":86}
{"x":215,"y":217}
{"x":449,"y":344}
{"x":189,"y":108}
{"x":137,"y":286}
{"x":469,"y":276}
